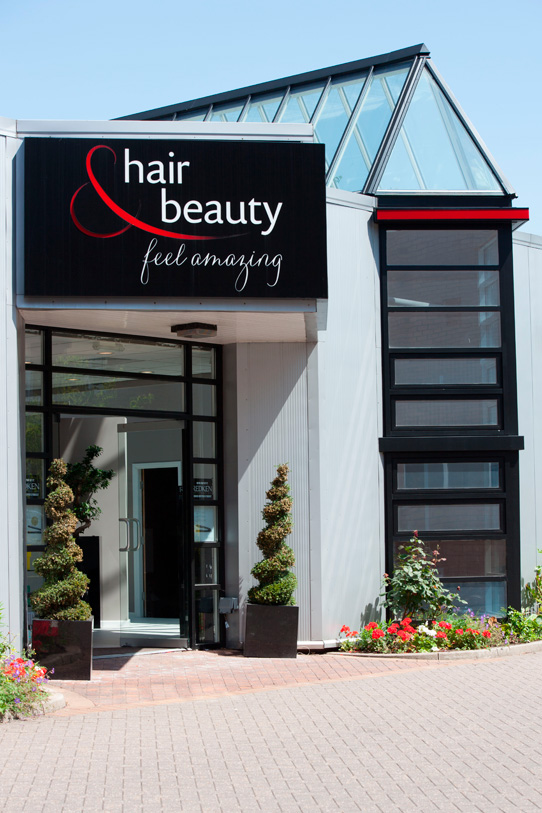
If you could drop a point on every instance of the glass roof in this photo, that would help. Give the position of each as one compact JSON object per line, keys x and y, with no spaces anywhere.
{"x":389,"y":125}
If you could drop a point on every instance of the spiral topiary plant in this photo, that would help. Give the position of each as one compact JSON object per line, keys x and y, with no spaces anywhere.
{"x":276,"y":583}
{"x":60,"y":597}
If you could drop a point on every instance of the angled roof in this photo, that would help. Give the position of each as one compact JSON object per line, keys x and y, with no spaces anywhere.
{"x":389,"y":124}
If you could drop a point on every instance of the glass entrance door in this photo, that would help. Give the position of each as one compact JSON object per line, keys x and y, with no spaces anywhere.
{"x":154,"y":573}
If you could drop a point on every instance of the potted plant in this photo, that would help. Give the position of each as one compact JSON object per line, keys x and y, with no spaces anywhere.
{"x":62,"y":630}
{"x":271,"y":616}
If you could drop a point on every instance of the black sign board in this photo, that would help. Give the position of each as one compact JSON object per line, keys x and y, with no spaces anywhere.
{"x":170,"y":218}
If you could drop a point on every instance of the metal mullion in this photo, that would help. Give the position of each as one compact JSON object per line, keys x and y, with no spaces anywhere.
{"x":244,"y":109}
{"x":209,"y":113}
{"x":351,"y":124}
{"x":394,"y":125}
{"x":282,"y":105}
{"x":68,"y":409}
{"x":435,"y":267}
{"x":323,"y":98}
{"x":91,"y":371}
{"x":406,"y":141}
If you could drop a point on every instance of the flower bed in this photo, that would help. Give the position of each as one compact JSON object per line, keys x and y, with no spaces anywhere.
{"x":22,"y":686}
{"x":455,"y":632}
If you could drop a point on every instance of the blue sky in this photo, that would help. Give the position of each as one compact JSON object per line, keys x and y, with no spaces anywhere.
{"x":100,"y":60}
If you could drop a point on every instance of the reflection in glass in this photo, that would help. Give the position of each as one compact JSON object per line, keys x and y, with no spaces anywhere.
{"x":204,"y":439}
{"x":372,"y":120}
{"x":206,"y":567}
{"x":442,"y":247}
{"x":207,"y":628}
{"x":483,"y":598}
{"x":204,"y":399}
{"x":468,"y":557}
{"x":453,"y":475}
{"x":34,"y":432}
{"x":263,"y":108}
{"x":79,"y":389}
{"x":33,"y":346}
{"x":449,"y":517}
{"x":336,"y":111}
{"x":125,"y":355}
{"x":434,"y":150}
{"x":226,"y":112}
{"x":301,"y":104}
{"x":447,"y":413}
{"x":33,"y":388}
{"x":203,"y":362}
{"x":449,"y":329}
{"x":418,"y":371}
{"x":205,"y":483}
{"x":414,"y":289}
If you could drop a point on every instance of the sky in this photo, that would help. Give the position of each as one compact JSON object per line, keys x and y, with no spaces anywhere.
{"x":62,"y":59}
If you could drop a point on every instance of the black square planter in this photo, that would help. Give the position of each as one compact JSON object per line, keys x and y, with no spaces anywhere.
{"x":271,"y":631}
{"x":65,"y":646}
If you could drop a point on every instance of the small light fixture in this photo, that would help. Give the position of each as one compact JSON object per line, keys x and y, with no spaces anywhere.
{"x":194,"y":330}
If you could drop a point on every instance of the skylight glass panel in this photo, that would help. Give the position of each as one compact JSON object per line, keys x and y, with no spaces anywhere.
{"x":434,"y":151}
{"x":301,"y":104}
{"x":226,"y":112}
{"x":336,"y":111}
{"x":264,"y":108}
{"x":371,"y":124}
{"x":198,"y":115}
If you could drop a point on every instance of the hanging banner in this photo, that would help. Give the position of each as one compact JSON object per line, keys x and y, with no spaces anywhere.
{"x":173,"y":218}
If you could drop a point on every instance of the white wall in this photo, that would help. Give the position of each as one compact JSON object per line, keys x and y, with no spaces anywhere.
{"x":349,"y":383}
{"x":528,"y":306}
{"x":11,"y":415}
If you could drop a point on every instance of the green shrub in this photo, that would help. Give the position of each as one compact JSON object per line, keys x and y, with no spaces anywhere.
{"x":276,"y":583}
{"x":60,"y":596}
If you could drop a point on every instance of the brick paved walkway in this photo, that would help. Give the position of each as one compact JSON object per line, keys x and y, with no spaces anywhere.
{"x":323,"y":733}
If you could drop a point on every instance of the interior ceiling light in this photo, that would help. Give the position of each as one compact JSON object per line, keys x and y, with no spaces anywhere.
{"x":194,"y":330}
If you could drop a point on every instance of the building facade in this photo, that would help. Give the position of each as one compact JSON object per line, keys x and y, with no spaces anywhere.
{"x":322,"y":270}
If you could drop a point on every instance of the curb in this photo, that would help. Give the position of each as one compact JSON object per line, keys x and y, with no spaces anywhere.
{"x":456,"y":655}
{"x":53,"y":702}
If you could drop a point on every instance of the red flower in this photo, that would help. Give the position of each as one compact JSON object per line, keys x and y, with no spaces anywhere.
{"x":415,"y":533}
{"x":486,"y":633}
{"x":405,"y":622}
{"x":410,"y":629}
{"x":393,"y":628}
{"x":354,"y":634}
{"x":459,"y":631}
{"x":372,"y":625}
{"x":441,"y":634}
{"x":404,"y":635}
{"x":376,"y":634}
{"x":345,"y":629}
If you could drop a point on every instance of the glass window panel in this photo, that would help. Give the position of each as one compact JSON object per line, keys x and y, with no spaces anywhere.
{"x":204,"y":439}
{"x":336,"y":111}
{"x":414,"y":289}
{"x":34,"y":432}
{"x":34,"y":388}
{"x":207,"y":626}
{"x":368,"y":131}
{"x":198,"y":115}
{"x":263,"y":108}
{"x":33,"y":346}
{"x":206,"y":566}
{"x":483,"y":598}
{"x":469,"y":557}
{"x":35,"y":478}
{"x":449,"y":517}
{"x":205,"y":482}
{"x":227,"y":112}
{"x":204,"y":399}
{"x":448,"y":371}
{"x":33,"y":580}
{"x":82,"y":390}
{"x":35,"y":524}
{"x":442,"y":247}
{"x":453,"y":475}
{"x":447,"y":413}
{"x":124,"y":355}
{"x":205,"y":529}
{"x":436,"y":148}
{"x":446,"y":329}
{"x":203,"y":362}
{"x":301,"y":104}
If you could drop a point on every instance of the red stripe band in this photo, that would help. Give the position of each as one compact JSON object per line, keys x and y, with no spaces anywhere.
{"x":452,"y":214}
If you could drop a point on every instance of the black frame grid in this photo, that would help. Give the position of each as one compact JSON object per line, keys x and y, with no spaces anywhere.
{"x":430,"y":443}
{"x":51,"y":411}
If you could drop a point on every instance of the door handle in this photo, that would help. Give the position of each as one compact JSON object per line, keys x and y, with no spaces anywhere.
{"x":139,"y":538}
{"x":130,"y":546}
{"x":127,"y":521}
